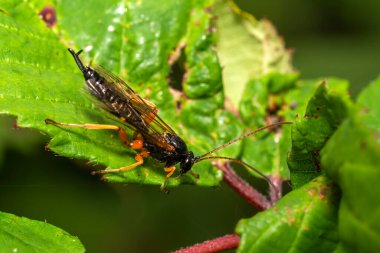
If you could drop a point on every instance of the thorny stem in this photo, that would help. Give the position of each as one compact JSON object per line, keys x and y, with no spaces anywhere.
{"x":215,"y":245}
{"x":243,"y":188}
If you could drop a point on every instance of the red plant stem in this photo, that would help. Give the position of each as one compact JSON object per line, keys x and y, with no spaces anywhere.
{"x":215,"y":245}
{"x":243,"y":188}
{"x":275,"y":193}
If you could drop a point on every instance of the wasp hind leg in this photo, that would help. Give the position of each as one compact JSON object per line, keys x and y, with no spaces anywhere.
{"x":87,"y":126}
{"x":123,"y":137}
{"x":136,"y":143}
{"x":139,"y":160}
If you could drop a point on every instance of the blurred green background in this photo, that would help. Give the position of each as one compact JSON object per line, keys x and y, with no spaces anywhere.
{"x":329,"y":38}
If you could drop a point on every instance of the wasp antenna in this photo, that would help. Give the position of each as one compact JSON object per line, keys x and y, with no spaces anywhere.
{"x":245,"y":136}
{"x":50,"y":121}
{"x":239,"y":162}
{"x":77,"y":60}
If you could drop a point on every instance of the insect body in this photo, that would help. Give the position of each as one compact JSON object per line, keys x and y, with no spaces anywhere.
{"x":151,"y":135}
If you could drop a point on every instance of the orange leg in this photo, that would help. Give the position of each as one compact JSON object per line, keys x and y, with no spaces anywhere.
{"x":137,"y":142}
{"x":123,"y":136}
{"x":87,"y":126}
{"x":139,"y":160}
{"x":170,"y":170}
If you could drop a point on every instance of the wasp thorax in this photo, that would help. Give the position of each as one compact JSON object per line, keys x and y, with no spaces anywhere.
{"x":89,"y":73}
{"x":176,"y":141}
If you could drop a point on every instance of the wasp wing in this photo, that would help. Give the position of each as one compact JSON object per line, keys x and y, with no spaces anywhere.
{"x":150,"y":126}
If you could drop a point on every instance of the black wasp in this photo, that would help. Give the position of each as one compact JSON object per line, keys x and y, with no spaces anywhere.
{"x":152,"y":136}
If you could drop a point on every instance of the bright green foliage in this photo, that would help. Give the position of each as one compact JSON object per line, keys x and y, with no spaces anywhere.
{"x":144,"y":42}
{"x":19,"y":234}
{"x":339,"y":249}
{"x":368,"y":101}
{"x":262,"y":103}
{"x":255,"y":65}
{"x":248,"y":49}
{"x":153,"y":46}
{"x":259,"y":94}
{"x":302,"y":221}
{"x":271,"y":98}
{"x":351,"y":158}
{"x":324,"y":113}
{"x":133,"y":39}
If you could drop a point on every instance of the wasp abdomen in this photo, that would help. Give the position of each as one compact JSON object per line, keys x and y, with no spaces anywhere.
{"x":104,"y":93}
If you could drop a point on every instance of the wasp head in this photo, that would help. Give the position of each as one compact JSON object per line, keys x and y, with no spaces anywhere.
{"x":187,"y":162}
{"x":88,"y":72}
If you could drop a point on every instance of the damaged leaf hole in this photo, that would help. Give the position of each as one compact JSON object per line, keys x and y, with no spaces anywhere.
{"x":177,"y":72}
{"x":272,"y":116}
{"x":315,"y":157}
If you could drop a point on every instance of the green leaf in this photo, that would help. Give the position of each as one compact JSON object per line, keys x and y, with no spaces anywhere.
{"x":143,"y":42}
{"x":368,"y":100}
{"x":257,"y":74}
{"x":248,"y":49}
{"x":272,"y":98}
{"x":262,"y":104}
{"x":135,"y":40}
{"x":268,"y":153}
{"x":305,"y":220}
{"x":19,"y":234}
{"x":339,"y":249}
{"x":351,"y":158}
{"x":324,"y":113}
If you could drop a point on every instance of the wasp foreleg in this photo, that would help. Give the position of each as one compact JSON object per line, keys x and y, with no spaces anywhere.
{"x":170,"y":170}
